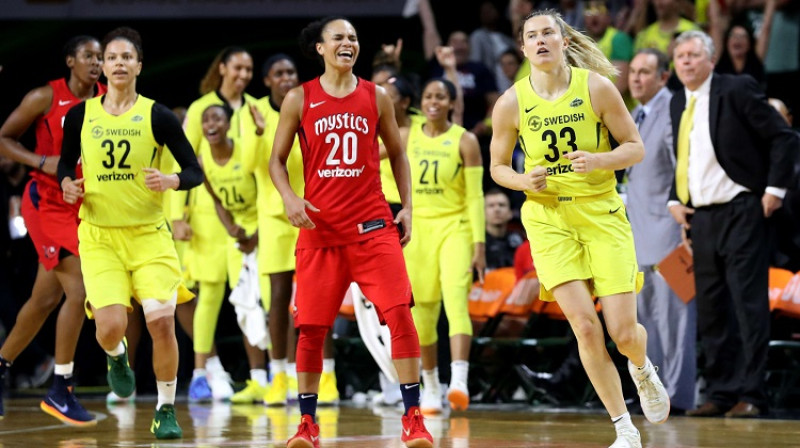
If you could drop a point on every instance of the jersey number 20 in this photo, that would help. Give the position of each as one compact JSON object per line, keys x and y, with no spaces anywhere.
{"x":349,"y":144}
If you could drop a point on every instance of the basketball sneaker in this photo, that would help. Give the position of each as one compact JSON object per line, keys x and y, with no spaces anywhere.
{"x":307,"y":434}
{"x":458,"y":396}
{"x":61,"y":403}
{"x":199,"y":390}
{"x":252,"y":393}
{"x":414,"y":433}
{"x":165,"y":425}
{"x":431,"y":400}
{"x":120,"y":376}
{"x":291,"y":393}
{"x":627,"y":437}
{"x":220,"y":383}
{"x":276,"y":394}
{"x":652,"y":394}
{"x":328,"y":391}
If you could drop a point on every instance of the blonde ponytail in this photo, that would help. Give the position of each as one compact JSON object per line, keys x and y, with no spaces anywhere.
{"x":582,"y":51}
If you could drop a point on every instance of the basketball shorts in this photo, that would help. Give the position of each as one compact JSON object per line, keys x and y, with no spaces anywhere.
{"x":582,"y":238}
{"x":51,"y":223}
{"x":325,"y":273}
{"x":123,"y":262}
{"x":277,"y":240}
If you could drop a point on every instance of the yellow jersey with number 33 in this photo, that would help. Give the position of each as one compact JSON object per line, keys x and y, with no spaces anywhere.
{"x":114,"y":152}
{"x":548,"y":130}
{"x":234,"y":186}
{"x":437,"y":172}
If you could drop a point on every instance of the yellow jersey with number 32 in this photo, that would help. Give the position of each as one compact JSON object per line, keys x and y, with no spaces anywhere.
{"x":548,"y":130}
{"x":114,"y":152}
{"x":437,"y":172}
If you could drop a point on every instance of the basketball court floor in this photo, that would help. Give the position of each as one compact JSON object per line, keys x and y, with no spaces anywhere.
{"x":484,"y":426}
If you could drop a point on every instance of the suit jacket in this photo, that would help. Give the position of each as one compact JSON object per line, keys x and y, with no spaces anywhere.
{"x":654,"y":230}
{"x":752,"y":142}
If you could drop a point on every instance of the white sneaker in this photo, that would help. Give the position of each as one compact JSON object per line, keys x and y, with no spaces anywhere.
{"x":390,"y":394}
{"x":627,"y":438}
{"x":652,"y":394}
{"x":458,"y":396}
{"x":220,"y":383}
{"x":431,"y":400}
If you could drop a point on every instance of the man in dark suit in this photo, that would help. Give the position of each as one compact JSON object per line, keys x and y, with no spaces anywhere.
{"x":734,"y":161}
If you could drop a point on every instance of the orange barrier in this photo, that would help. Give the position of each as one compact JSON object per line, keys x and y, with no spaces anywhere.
{"x":486,"y":300}
{"x":784,"y":292}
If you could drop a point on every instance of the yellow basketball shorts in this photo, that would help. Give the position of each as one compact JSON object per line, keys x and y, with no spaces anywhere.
{"x":439,"y":257}
{"x":584,"y":238}
{"x":277,"y":240}
{"x":123,"y":262}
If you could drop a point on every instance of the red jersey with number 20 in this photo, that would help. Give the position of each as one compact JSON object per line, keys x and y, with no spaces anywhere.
{"x":339,"y":141}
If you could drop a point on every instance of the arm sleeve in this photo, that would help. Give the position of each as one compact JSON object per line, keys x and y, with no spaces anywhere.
{"x":473,"y":177}
{"x":71,"y":143}
{"x":167,"y":131}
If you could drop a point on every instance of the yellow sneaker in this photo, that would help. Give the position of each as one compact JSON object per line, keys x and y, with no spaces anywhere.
{"x":291,"y":395}
{"x":252,"y":393}
{"x":276,"y":394}
{"x":328,"y":392}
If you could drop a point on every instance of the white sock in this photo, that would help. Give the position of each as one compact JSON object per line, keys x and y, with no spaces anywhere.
{"x":291,"y":370}
{"x":430,"y":378}
{"x":213,"y":364}
{"x":623,"y":421}
{"x":459,"y":371}
{"x":64,"y":370}
{"x":117,"y":351}
{"x":197,"y":373}
{"x":328,"y":365}
{"x":277,"y":366}
{"x":259,"y":376}
{"x":166,"y":392}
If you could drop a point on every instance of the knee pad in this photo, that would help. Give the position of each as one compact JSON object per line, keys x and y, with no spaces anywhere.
{"x":309,"y":348}
{"x":405,"y":342}
{"x":156,"y":309}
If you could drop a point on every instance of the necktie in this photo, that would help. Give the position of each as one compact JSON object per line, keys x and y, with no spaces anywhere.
{"x":682,"y":168}
{"x":639,"y":118}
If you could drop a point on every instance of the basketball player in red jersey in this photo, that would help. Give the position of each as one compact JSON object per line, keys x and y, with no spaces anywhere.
{"x":346,"y":229}
{"x":52,"y":224}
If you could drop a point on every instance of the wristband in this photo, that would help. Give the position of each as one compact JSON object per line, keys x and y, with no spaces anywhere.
{"x":41,"y":162}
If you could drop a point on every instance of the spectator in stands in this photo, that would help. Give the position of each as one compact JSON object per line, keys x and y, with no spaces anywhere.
{"x":735,"y":157}
{"x":510,"y":62}
{"x":668,"y":22}
{"x":487,"y":44}
{"x":739,"y":54}
{"x":615,"y":44}
{"x":500,"y":242}
{"x":779,"y":47}
{"x":670,"y":323}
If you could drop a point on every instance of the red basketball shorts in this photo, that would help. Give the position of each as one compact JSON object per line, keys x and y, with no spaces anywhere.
{"x":51,"y":222}
{"x":324,"y":274}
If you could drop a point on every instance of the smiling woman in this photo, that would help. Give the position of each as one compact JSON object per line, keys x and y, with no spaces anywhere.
{"x":126,"y":250}
{"x":349,"y":225}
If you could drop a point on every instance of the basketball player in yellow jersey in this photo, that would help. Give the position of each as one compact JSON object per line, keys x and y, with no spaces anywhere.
{"x":224,"y":83}
{"x":581,"y":240}
{"x":447,"y":191}
{"x":125,"y":242}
